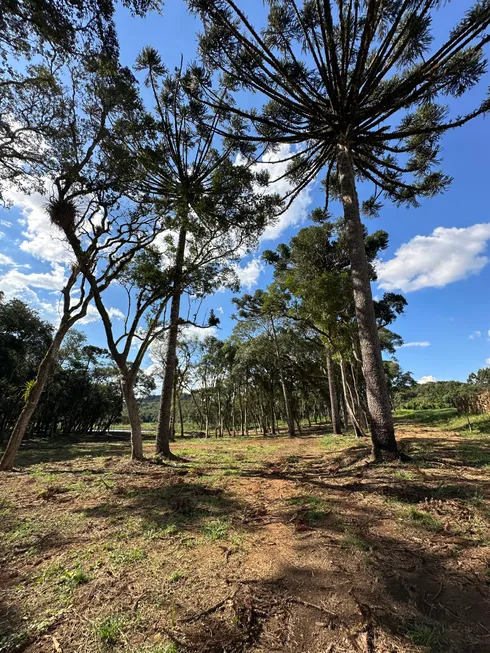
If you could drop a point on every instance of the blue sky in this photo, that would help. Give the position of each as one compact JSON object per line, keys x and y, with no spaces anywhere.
{"x":438,"y":254}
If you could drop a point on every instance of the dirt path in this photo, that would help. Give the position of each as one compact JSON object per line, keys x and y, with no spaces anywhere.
{"x":260,"y":545}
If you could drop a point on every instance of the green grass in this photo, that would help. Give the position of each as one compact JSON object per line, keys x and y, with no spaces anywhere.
{"x":127,"y":556}
{"x":425,"y":519}
{"x":433,"y":637}
{"x":74,"y":578}
{"x":312,"y":511}
{"x":429,"y":416}
{"x":110,"y":629}
{"x":445,"y":419}
{"x":343,"y":441}
{"x":175,"y":576}
{"x":217,"y":529}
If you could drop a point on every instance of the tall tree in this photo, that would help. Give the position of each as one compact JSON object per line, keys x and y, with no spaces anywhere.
{"x":267,"y":307}
{"x":315,"y":277}
{"x":83,"y":188}
{"x":216,"y":209}
{"x":357,"y":86}
{"x":37,"y":41}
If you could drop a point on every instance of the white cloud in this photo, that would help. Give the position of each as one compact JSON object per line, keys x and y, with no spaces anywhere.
{"x":6,"y":223}
{"x":93,"y":314}
{"x":475,"y":334}
{"x":15,"y":283}
{"x":487,"y":361}
{"x":115,"y":313}
{"x":427,"y":379}
{"x":42,"y":239}
{"x":447,"y":255}
{"x":220,"y":309}
{"x":488,"y":334}
{"x":298,"y":211}
{"x":6,"y":260}
{"x":249,"y":274}
{"x":192,"y":332}
{"x":425,"y":343}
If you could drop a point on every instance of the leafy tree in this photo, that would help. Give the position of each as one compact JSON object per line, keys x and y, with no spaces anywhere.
{"x":315,"y":277}
{"x":24,"y":338}
{"x":398,"y":380}
{"x":357,"y":86}
{"x":268,"y":307}
{"x":39,"y":42}
{"x":84,"y":188}
{"x":480,"y":378}
{"x":82,"y":392}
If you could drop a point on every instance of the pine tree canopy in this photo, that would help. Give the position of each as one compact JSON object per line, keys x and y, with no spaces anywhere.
{"x":366,"y":75}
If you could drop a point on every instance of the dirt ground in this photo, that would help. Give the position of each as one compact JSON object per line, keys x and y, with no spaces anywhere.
{"x":258,"y":545}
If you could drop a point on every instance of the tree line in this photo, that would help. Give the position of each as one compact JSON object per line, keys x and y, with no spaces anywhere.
{"x":162,"y":199}
{"x":83,"y":392}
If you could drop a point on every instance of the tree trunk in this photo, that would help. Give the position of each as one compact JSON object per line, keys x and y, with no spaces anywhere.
{"x":349,"y":402}
{"x":380,"y":417}
{"x":163,"y":431}
{"x":332,"y":389}
{"x":360,"y":398}
{"x":174,"y":411}
{"x":233,"y":417}
{"x":220,"y":413}
{"x":287,"y":403}
{"x":20,"y":428}
{"x":180,"y":414}
{"x":134,"y":418}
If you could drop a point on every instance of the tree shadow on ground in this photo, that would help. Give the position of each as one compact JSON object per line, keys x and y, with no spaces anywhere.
{"x":400,"y":586}
{"x":36,"y":452}
{"x":171,"y":503}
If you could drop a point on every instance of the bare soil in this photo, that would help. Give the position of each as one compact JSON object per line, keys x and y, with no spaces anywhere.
{"x":271,"y":544}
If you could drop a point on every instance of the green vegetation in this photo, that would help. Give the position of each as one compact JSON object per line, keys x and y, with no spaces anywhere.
{"x":110,"y":629}
{"x":216,"y":529}
{"x":424,"y":519}
{"x":289,"y":496}
{"x":433,"y":637}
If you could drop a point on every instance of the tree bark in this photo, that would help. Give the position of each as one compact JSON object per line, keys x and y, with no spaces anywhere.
{"x":350,"y":402}
{"x":181,"y":417}
{"x":287,"y":403}
{"x":163,"y":431}
{"x":20,"y":427}
{"x":332,"y":389}
{"x":380,"y":417}
{"x":127,"y":385}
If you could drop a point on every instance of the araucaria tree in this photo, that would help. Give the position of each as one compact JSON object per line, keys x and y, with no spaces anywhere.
{"x":213,"y":204}
{"x":357,"y":86}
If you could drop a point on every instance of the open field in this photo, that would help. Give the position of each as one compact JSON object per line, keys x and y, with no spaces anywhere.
{"x":252,"y":545}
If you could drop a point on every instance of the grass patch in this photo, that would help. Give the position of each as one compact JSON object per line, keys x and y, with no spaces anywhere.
{"x":217,"y":529}
{"x":355,"y":540}
{"x":311,"y":511}
{"x":475,"y":452}
{"x":175,"y":576}
{"x":425,"y":519}
{"x":341,"y":442}
{"x":127,"y":556}
{"x":110,"y":629}
{"x":433,"y":637}
{"x":445,"y":419}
